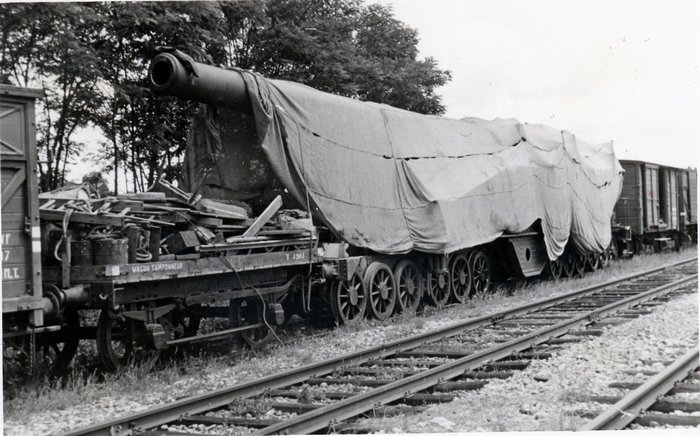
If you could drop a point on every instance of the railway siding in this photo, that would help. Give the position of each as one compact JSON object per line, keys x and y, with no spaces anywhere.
{"x":584,"y":306}
{"x":556,"y":393}
{"x":643,"y":404}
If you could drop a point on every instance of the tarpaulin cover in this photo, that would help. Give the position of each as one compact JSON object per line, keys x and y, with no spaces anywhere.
{"x":395,"y":181}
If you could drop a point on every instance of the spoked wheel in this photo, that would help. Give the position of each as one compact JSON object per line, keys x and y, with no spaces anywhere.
{"x":409,"y":285}
{"x":569,"y":264}
{"x":349,"y":300}
{"x":381,"y":290}
{"x":438,"y":287}
{"x":613,"y":252}
{"x":460,"y":278}
{"x":251,"y":311}
{"x":605,"y":258}
{"x":580,"y":264}
{"x":481,"y":273}
{"x":57,"y":350}
{"x":116,"y":346}
{"x":555,"y":268}
{"x":593,"y":261}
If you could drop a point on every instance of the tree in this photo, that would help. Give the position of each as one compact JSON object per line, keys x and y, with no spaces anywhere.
{"x":50,"y":46}
{"x":145,"y":133}
{"x":97,"y":183}
{"x":338,"y":46}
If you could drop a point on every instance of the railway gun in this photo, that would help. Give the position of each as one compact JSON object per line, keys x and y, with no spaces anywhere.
{"x":257,"y":230}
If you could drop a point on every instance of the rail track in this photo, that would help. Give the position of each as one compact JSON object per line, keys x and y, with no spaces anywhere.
{"x":652,"y":402}
{"x":419,"y":369}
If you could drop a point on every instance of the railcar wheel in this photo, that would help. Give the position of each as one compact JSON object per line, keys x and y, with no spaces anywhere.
{"x":605,"y":258}
{"x":593,"y":262}
{"x":409,"y":285}
{"x":251,"y":311}
{"x":349,"y":300}
{"x":481,"y":273}
{"x":580,"y":264}
{"x":438,"y":287}
{"x":381,"y":290}
{"x":460,"y":278}
{"x":555,"y":268}
{"x":58,"y":349}
{"x":569,"y":264}
{"x":116,"y":344}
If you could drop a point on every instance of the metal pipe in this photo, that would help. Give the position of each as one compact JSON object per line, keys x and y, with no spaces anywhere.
{"x":56,"y":299}
{"x":189,"y":80}
{"x":76,"y":295}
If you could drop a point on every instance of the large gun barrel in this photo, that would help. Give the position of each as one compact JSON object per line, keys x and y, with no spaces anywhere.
{"x":189,"y":80}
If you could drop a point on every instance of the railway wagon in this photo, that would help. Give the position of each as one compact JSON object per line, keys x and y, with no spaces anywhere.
{"x":514,"y":201}
{"x":22,"y":296}
{"x":657,"y":207}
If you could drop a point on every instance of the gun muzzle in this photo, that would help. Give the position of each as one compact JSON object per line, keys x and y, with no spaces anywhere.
{"x":212,"y":85}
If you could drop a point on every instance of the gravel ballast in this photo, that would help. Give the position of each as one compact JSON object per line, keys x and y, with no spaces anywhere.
{"x":55,"y":409}
{"x":552,"y":394}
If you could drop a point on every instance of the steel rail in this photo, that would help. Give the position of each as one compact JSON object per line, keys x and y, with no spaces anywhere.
{"x":632,"y":405}
{"x":221,"y":397}
{"x":326,"y":416}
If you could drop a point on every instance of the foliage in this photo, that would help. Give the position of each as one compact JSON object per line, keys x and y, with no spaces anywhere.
{"x":51,"y":47}
{"x":97,"y":184}
{"x":92,"y":59}
{"x":338,"y":46}
{"x":146,"y":134}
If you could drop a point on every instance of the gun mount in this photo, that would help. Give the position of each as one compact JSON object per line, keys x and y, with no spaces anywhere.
{"x":189,"y":80}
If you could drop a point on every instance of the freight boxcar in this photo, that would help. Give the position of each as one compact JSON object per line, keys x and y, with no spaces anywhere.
{"x":693,"y":200}
{"x":657,"y":206}
{"x":22,"y":302}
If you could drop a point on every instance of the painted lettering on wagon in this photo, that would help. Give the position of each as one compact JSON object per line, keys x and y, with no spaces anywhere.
{"x":155,"y":267}
{"x":11,"y":273}
{"x":8,"y":273}
{"x":296,"y":256}
{"x":5,"y":251}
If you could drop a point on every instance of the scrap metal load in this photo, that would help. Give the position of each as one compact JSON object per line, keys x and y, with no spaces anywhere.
{"x":160,"y":226}
{"x":394,"y":181}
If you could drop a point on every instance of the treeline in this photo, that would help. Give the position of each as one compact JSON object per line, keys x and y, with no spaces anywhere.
{"x":92,"y":58}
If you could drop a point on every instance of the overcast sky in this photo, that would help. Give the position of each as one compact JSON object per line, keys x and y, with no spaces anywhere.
{"x":618,"y":70}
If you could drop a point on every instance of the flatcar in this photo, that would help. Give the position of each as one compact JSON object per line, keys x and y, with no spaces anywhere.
{"x":657,"y":207}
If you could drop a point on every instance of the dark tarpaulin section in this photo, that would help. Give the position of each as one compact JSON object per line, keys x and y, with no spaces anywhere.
{"x":394,"y":181}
